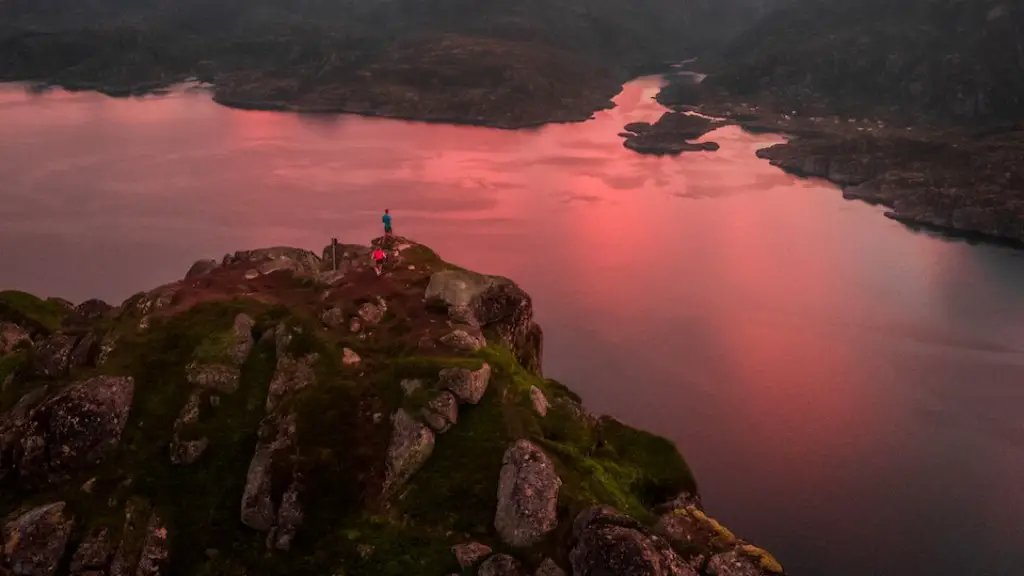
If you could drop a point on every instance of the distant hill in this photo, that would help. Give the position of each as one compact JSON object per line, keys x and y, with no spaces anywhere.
{"x":959,"y":60}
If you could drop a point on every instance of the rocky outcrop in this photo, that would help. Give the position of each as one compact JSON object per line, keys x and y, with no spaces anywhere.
{"x":217,"y":377}
{"x":371,"y":313}
{"x":527,"y":495}
{"x":155,"y":549}
{"x":671,"y":134}
{"x":290,"y":376}
{"x":277,"y":441}
{"x":609,"y":543}
{"x":549,"y":568}
{"x":52,"y":358}
{"x":33,"y":543}
{"x":201,"y":268}
{"x":409,"y":448}
{"x":290,"y":516}
{"x":270,"y":260}
{"x":491,"y":303}
{"x":442,"y":412}
{"x":469,"y":386}
{"x":539,"y":401}
{"x":501,"y":565}
{"x":470,"y":554}
{"x":188,"y":451}
{"x":243,"y":342}
{"x":73,"y":428}
{"x":463,"y":341}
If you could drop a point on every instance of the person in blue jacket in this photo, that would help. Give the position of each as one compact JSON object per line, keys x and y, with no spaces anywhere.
{"x":386,"y":218}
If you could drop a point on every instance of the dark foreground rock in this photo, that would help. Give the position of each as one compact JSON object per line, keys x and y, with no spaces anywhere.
{"x":228,"y":432}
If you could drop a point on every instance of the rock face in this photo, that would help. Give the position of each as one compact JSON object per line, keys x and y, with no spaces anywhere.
{"x":34,"y":542}
{"x":71,"y":429}
{"x":490,"y":302}
{"x":527,"y":495}
{"x":411,"y":445}
{"x":202,"y":267}
{"x":290,"y":377}
{"x":53,"y":357}
{"x":469,"y":386}
{"x":219,"y":377}
{"x":93,"y":555}
{"x":470,"y":554}
{"x":269,"y":260}
{"x":258,"y":509}
{"x":13,"y":336}
{"x":539,"y":401}
{"x":442,"y":412}
{"x":609,"y":543}
{"x":501,"y":565}
{"x":463,"y":341}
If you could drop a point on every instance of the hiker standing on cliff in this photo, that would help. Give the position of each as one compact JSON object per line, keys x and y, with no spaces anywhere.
{"x":386,"y":218}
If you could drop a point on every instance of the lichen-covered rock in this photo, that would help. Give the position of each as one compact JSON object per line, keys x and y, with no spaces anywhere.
{"x":188,"y":451}
{"x":219,"y":377}
{"x":371,"y":313}
{"x":501,"y":565}
{"x":442,"y":412}
{"x":241,"y":331}
{"x":349,"y":358}
{"x":258,"y":509}
{"x":609,"y":543}
{"x":71,"y":429}
{"x":94,"y":554}
{"x":202,"y":268}
{"x":549,"y":568}
{"x":107,"y":347}
{"x":527,"y":495}
{"x":155,"y":550}
{"x":470,"y":554}
{"x":539,"y":401}
{"x":463,"y":341}
{"x":269,"y":260}
{"x":290,"y":376}
{"x":53,"y":357}
{"x":34,"y":542}
{"x":409,"y":448}
{"x":468,"y":386}
{"x":12,"y":337}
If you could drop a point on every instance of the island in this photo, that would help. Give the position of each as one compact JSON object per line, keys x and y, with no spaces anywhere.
{"x":278,"y":411}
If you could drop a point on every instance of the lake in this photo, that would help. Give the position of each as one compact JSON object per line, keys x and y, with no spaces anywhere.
{"x":848,"y":392}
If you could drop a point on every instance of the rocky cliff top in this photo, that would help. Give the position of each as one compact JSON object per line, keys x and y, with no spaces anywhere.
{"x":283,"y":412}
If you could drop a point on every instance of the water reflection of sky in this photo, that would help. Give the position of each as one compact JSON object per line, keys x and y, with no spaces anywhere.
{"x":839,"y":383}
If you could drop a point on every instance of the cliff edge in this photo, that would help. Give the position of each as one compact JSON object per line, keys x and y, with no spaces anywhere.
{"x":283,"y":412}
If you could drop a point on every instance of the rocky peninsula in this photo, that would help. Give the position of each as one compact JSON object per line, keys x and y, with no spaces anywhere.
{"x":284,"y":412}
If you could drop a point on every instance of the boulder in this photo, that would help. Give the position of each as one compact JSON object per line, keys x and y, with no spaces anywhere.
{"x":549,"y":568}
{"x":746,"y":560}
{"x":371,"y":313}
{"x":334,"y":317}
{"x":243,"y":341}
{"x":501,"y":565}
{"x":355,"y":326}
{"x":12,"y":337}
{"x":349,"y":257}
{"x":410,"y":385}
{"x":527,"y":495}
{"x":219,"y":377}
{"x":463,"y":341}
{"x":258,"y":509}
{"x":86,"y":314}
{"x":290,"y":376}
{"x":349,"y":358}
{"x":34,"y":541}
{"x":94,"y":554}
{"x":86,"y":351}
{"x":470,"y":554}
{"x":74,"y":428}
{"x":468,"y":386}
{"x":202,"y":268}
{"x":53,"y":357}
{"x":155,"y":549}
{"x":609,"y":543}
{"x":188,"y":451}
{"x":491,"y":302}
{"x":539,"y":400}
{"x":409,"y":448}
{"x":442,"y":412}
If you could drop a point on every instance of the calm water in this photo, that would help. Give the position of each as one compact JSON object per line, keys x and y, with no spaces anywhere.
{"x":849,"y":392}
